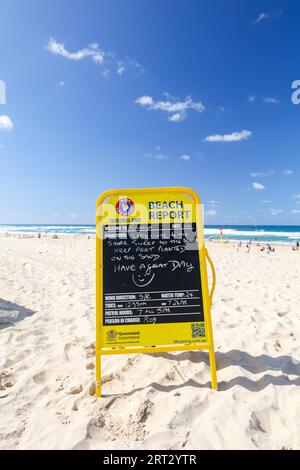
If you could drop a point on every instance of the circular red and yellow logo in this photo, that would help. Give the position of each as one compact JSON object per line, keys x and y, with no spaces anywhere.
{"x":125,"y":206}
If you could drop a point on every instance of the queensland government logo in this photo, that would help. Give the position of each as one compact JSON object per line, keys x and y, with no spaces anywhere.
{"x":125,"y":206}
{"x":111,"y":335}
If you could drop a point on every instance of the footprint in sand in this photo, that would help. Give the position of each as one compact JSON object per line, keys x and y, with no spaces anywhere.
{"x":41,"y":377}
{"x":75,"y":389}
{"x":62,"y":383}
{"x":92,"y":389}
{"x":90,"y":350}
{"x":144,"y":411}
{"x":132,"y":360}
{"x":72,"y":352}
{"x":35,"y":332}
{"x":282,"y":314}
{"x":109,"y":378}
{"x":6,"y":380}
{"x":170,"y":375}
{"x":255,"y":424}
{"x":277,"y":345}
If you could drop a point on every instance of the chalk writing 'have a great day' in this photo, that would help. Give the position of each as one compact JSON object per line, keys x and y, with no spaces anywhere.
{"x":149,"y":267}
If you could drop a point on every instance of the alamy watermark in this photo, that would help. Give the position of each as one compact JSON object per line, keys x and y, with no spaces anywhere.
{"x":296,"y":94}
{"x":2,"y":92}
{"x":173,"y":221}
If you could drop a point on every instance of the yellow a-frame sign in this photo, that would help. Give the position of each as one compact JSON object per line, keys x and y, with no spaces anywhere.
{"x":152,"y":289}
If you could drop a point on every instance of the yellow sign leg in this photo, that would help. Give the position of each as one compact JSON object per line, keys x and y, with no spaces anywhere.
{"x":98,"y":376}
{"x":212,"y":358}
{"x":213,"y":370}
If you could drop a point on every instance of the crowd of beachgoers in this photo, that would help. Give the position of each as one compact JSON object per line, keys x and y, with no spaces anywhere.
{"x":249,"y":245}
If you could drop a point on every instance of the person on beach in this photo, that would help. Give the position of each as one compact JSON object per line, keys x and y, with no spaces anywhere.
{"x":221,"y":233}
{"x":296,"y":247}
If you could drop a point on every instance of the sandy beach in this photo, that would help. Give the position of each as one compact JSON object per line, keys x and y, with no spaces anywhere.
{"x":163,"y":401}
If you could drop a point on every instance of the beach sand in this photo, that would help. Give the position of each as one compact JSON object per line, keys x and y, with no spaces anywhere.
{"x":161,"y":401}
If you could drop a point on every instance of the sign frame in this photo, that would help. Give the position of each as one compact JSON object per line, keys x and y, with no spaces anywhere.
{"x":206,"y":295}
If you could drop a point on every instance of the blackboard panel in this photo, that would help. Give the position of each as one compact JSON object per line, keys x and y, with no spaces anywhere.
{"x":151,"y":274}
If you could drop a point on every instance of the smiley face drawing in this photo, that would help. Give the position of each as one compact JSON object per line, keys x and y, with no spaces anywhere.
{"x":142,"y":278}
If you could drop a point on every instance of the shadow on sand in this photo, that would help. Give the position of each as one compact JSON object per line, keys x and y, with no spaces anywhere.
{"x":11,"y":313}
{"x":254,"y":364}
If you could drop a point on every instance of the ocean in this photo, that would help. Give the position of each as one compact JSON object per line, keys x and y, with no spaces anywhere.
{"x":287,"y":234}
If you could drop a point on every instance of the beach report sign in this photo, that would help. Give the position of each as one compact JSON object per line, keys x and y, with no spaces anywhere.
{"x":152,"y":289}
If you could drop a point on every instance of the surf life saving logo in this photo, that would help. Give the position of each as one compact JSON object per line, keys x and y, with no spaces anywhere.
{"x":125,"y":207}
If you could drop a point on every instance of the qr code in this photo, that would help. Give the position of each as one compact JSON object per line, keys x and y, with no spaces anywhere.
{"x":198,"y":330}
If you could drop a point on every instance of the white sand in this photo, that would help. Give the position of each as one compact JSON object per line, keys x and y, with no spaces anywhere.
{"x":152,"y":401}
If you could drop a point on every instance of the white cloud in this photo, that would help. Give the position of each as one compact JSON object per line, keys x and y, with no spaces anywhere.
{"x":270,"y":100}
{"x":215,"y":203}
{"x":211,"y":213}
{"x":123,"y":65}
{"x":177,"y":117}
{"x":97,"y":55}
{"x":145,"y":101}
{"x":62,"y":83}
{"x":177,"y":109}
{"x":72,"y":215}
{"x":6,"y":123}
{"x":265,"y":99}
{"x":234,"y":137}
{"x":266,"y":15}
{"x":136,"y":65}
{"x":276,"y":211}
{"x":258,"y":186}
{"x":266,"y":201}
{"x":93,"y":51}
{"x":287,"y":172}
{"x":295,"y":211}
{"x":297,"y":197}
{"x":262,"y":174}
{"x":121,"y":68}
{"x":157,"y":154}
{"x":185,"y":157}
{"x":105,"y":73}
{"x":261,"y":17}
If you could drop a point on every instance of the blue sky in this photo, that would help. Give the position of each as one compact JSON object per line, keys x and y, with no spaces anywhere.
{"x":103,"y":94}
